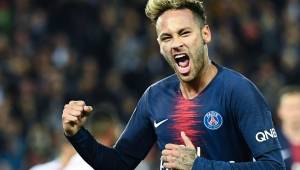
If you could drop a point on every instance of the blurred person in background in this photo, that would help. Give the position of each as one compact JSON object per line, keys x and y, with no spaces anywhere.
{"x":200,"y":105}
{"x":289,"y":117}
{"x":105,"y":126}
{"x":66,"y":151}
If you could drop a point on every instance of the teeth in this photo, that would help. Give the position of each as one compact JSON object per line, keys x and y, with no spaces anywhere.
{"x":179,"y":56}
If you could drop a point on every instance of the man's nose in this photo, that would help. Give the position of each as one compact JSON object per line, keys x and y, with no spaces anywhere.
{"x":177,"y":43}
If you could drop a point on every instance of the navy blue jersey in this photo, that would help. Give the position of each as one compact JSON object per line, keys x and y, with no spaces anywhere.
{"x":229,"y":120}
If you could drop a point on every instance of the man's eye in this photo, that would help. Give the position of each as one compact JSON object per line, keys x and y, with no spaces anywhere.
{"x":185,"y":34}
{"x":165,"y":39}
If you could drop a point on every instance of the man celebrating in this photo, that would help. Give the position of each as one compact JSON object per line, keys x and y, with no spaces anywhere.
{"x":203,"y":105}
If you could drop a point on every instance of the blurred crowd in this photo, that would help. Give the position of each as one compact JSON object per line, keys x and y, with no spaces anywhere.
{"x":105,"y":51}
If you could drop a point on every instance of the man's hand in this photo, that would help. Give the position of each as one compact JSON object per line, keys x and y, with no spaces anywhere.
{"x":179,"y":157}
{"x":74,"y":116}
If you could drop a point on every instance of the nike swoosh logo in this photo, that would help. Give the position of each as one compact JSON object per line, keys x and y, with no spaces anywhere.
{"x":159,"y":123}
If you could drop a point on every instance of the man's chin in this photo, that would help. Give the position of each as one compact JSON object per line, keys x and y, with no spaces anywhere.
{"x":186,"y":78}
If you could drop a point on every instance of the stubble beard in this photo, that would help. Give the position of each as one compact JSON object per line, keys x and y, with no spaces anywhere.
{"x":197,"y":66}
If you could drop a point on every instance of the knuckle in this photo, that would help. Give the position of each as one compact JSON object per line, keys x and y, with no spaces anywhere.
{"x":81,"y":102}
{"x":80,"y":108}
{"x":63,"y":115}
{"x":77,"y":113}
{"x":65,"y":111}
{"x":73,"y":119}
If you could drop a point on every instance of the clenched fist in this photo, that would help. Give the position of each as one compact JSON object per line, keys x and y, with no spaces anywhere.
{"x":74,"y":116}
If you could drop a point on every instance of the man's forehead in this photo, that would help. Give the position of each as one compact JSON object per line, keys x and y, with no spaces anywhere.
{"x":291,"y":95}
{"x":290,"y":98}
{"x":173,"y":16}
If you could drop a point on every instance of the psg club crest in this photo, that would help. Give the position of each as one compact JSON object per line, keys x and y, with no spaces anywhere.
{"x":213,"y":120}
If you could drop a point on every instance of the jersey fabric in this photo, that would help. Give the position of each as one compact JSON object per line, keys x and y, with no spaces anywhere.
{"x":229,"y":120}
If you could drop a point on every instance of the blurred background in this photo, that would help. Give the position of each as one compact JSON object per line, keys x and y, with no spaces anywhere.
{"x":105,"y":51}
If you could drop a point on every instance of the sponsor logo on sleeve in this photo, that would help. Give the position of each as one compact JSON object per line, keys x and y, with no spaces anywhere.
{"x":265,"y":135}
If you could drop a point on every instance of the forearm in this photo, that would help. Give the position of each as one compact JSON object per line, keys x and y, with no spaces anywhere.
{"x":99,"y":156}
{"x":271,"y":160}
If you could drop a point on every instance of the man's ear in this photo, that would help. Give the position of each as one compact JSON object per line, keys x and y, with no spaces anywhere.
{"x":206,"y":34}
{"x":158,"y":41}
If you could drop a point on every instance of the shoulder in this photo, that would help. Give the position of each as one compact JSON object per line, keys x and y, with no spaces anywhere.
{"x":158,"y":90}
{"x":242,"y":92}
{"x":236,"y":82}
{"x":234,"y":78}
{"x":161,"y":90}
{"x":166,"y":85}
{"x":237,"y":88}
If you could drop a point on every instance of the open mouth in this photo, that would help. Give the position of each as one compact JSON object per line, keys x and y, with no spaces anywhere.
{"x":182,"y":63}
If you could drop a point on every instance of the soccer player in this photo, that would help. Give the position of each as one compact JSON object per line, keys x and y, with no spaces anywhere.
{"x":205,"y":116}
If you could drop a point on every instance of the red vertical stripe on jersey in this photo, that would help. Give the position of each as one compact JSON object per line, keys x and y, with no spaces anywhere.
{"x":186,"y":119}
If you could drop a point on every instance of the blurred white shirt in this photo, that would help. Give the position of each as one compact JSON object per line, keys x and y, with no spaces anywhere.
{"x":76,"y":162}
{"x":53,"y":165}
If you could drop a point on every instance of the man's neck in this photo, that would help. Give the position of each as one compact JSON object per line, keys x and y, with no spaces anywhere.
{"x":190,"y":90}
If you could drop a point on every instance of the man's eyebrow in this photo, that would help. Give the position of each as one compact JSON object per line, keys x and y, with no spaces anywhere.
{"x":183,"y":29}
{"x":179,"y":32}
{"x":163,"y":34}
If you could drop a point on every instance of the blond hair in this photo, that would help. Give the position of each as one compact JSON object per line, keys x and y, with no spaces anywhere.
{"x":155,"y":8}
